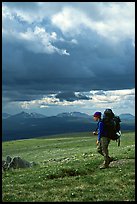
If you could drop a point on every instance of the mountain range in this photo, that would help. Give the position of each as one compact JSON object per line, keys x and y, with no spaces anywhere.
{"x":28,"y":125}
{"x":125,"y":116}
{"x":22,"y":115}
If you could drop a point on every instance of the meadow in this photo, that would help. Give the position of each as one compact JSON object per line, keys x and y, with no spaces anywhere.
{"x":68,"y":170}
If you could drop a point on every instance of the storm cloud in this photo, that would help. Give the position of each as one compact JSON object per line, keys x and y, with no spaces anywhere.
{"x":101,"y":67}
{"x":63,"y":48}
{"x":71,"y":96}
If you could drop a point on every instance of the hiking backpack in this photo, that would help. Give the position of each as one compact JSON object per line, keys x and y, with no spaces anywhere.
{"x":111,"y":125}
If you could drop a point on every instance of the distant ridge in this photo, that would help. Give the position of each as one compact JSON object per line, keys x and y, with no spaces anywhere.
{"x":5,"y":115}
{"x":27,"y":115}
{"x":127,"y":116}
{"x":23,"y":114}
{"x":29,"y":125}
{"x":73,"y":114}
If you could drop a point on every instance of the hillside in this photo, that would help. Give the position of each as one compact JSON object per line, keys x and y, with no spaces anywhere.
{"x":68,"y":170}
{"x":28,"y":125}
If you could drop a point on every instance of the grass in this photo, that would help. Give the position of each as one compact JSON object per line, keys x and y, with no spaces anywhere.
{"x":68,"y":170}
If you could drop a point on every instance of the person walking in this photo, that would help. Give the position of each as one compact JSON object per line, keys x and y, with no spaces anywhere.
{"x":102,"y":140}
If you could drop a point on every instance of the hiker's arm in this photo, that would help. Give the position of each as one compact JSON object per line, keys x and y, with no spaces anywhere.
{"x":96,"y":131}
{"x":100,"y":131}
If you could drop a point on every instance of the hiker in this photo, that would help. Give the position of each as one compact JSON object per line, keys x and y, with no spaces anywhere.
{"x":102,"y":140}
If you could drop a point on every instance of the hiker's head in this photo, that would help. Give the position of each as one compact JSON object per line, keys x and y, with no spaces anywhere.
{"x":97,"y":116}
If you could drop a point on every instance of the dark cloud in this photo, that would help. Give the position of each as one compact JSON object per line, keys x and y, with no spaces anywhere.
{"x":29,"y":75}
{"x":101,"y":92}
{"x":71,"y":96}
{"x":94,"y":63}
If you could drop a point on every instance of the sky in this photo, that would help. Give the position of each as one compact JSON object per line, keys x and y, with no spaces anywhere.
{"x":68,"y":56}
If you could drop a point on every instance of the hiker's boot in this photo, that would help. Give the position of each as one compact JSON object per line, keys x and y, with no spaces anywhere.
{"x":104,"y":165}
{"x":110,"y":159}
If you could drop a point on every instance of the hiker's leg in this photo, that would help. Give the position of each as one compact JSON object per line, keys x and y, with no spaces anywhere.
{"x":99,"y":149}
{"x":104,"y":143}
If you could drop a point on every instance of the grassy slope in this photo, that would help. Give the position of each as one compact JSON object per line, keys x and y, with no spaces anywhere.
{"x":69,"y":170}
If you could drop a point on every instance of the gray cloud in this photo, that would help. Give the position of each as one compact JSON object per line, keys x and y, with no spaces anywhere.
{"x":71,"y":96}
{"x":94,"y":63}
{"x":87,"y":67}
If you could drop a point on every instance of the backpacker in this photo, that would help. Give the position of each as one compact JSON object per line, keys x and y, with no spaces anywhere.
{"x":112,"y":125}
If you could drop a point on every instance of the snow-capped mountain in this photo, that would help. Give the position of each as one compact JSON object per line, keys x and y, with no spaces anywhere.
{"x":5,"y":115}
{"x":126,"y":116}
{"x":27,"y":115}
{"x":27,"y":125}
{"x":73,"y":114}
